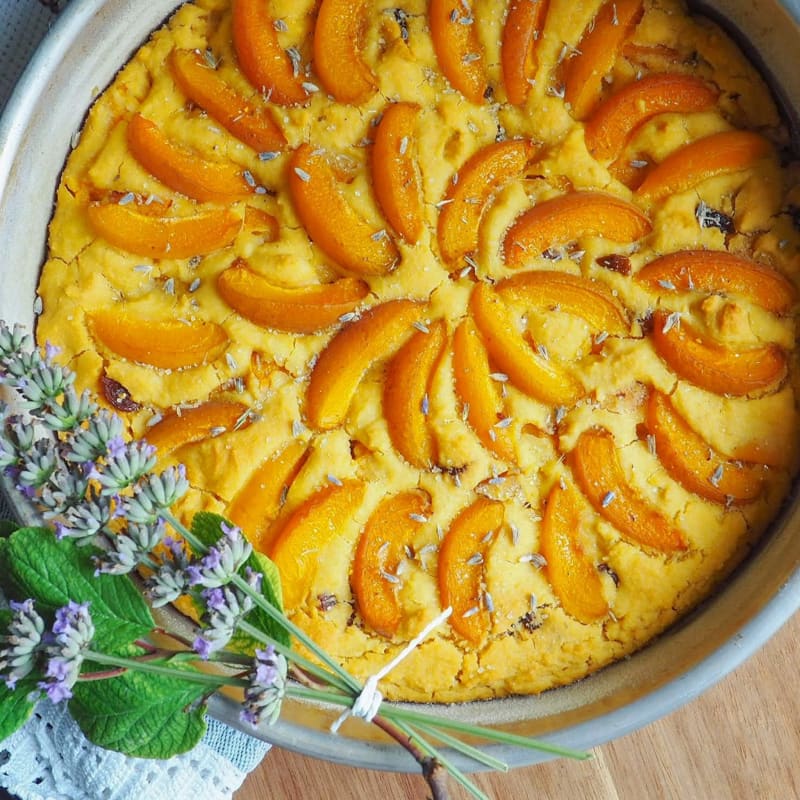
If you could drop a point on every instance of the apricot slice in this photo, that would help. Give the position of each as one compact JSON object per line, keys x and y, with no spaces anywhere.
{"x":406,"y":392}
{"x":568,"y":217}
{"x":597,"y":52}
{"x":338,"y":58}
{"x":259,"y":501}
{"x":163,"y":237}
{"x":458,"y":48}
{"x":331,"y":221}
{"x":260,"y":222}
{"x":254,"y":126}
{"x":719,"y":271}
{"x":711,"y":366}
{"x":600,"y":477}
{"x":696,"y":466}
{"x":342,"y":364}
{"x":465,"y":201}
{"x":528,"y":370}
{"x":397,"y":184}
{"x":571,"y":573}
{"x":163,"y":343}
{"x":194,"y":424}
{"x":717,"y":154}
{"x":307,"y":530}
{"x":617,"y":119}
{"x":479,"y":393}
{"x":582,"y":297}
{"x":262,"y":59}
{"x":461,"y":557}
{"x":379,"y":552}
{"x":184,"y":170}
{"x":299,"y":310}
{"x":521,"y":34}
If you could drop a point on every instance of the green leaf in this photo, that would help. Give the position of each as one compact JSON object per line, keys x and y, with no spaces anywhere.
{"x":35,"y":564}
{"x":15,"y":707}
{"x":7,"y":527}
{"x":141,"y":715}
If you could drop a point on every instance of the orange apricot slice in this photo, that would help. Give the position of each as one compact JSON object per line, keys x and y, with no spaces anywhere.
{"x":184,"y":170}
{"x":582,"y":297}
{"x":479,"y":393}
{"x":617,"y":119}
{"x":262,"y":59}
{"x":342,"y":364}
{"x":596,"y":53}
{"x":568,"y":217}
{"x":259,"y":501}
{"x":406,"y":393}
{"x":696,"y":466}
{"x":331,"y":221}
{"x":298,"y":310}
{"x":466,"y":200}
{"x":338,"y":59}
{"x":461,"y":557}
{"x":521,"y":34}
{"x":571,"y":573}
{"x":195,"y":424}
{"x":719,"y":271}
{"x":160,"y":236}
{"x":379,"y":552}
{"x":397,"y":184}
{"x":255,"y":126}
{"x":712,"y":366}
{"x":717,"y":154}
{"x":262,"y":223}
{"x":167,"y":344}
{"x":307,"y":530}
{"x":458,"y":48}
{"x":599,"y":474}
{"x":530,"y":371}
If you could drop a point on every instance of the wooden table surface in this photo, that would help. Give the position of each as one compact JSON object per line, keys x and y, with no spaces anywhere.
{"x":738,"y":741}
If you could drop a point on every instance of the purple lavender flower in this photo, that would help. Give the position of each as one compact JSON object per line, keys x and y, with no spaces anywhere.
{"x":21,"y":645}
{"x":226,"y":607}
{"x":263,"y":697}
{"x":222,"y":561}
{"x":70,"y":637}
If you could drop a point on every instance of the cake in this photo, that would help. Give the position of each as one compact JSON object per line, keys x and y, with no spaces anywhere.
{"x":481,"y":305}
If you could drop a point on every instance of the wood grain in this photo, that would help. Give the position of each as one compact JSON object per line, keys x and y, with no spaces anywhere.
{"x":741,"y":739}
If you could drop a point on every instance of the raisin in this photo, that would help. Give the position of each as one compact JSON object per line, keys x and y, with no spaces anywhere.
{"x":616,"y":263}
{"x":118,"y":395}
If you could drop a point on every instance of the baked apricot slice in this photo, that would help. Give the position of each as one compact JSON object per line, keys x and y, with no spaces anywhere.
{"x":307,"y":530}
{"x":688,"y":458}
{"x":706,"y":363}
{"x":298,"y":310}
{"x":394,"y":175}
{"x":466,"y":200}
{"x":527,"y":369}
{"x":342,"y":364}
{"x":568,"y":217}
{"x":331,"y":221}
{"x":163,"y":343}
{"x":582,"y":297}
{"x":184,"y":170}
{"x":406,"y":393}
{"x":458,"y":48}
{"x":259,"y":501}
{"x":480,"y":396}
{"x":338,"y":57}
{"x":262,"y":223}
{"x":380,"y":549}
{"x":194,"y":424}
{"x":599,"y":475}
{"x":262,"y":59}
{"x":596,"y":53}
{"x":719,"y":271}
{"x":717,"y":154}
{"x":617,"y":119}
{"x":253,"y":125}
{"x":574,"y":578}
{"x":163,"y":237}
{"x":462,"y":555}
{"x":521,"y":35}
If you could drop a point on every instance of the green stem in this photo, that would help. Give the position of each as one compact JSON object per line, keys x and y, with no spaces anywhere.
{"x":465,"y":749}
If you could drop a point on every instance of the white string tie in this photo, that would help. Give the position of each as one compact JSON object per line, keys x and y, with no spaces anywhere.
{"x":368,"y":702}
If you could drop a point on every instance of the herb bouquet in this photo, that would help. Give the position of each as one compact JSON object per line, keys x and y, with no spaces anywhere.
{"x":83,"y":590}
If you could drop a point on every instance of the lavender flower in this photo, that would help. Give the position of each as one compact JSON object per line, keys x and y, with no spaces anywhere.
{"x":170,"y":581}
{"x":154,"y":494}
{"x":222,"y":561}
{"x":12,"y":341}
{"x":263,"y":697}
{"x":126,"y":550}
{"x":124,"y":464}
{"x":20,"y":647}
{"x":72,"y":633}
{"x":85,"y":521}
{"x":91,"y":442}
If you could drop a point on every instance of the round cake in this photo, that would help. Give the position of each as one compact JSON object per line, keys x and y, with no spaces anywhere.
{"x":484,"y":305}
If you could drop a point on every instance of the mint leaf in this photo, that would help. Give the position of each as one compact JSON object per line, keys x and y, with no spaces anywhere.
{"x":35,"y":564}
{"x":141,"y":715}
{"x":7,"y":527}
{"x":15,"y":707}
